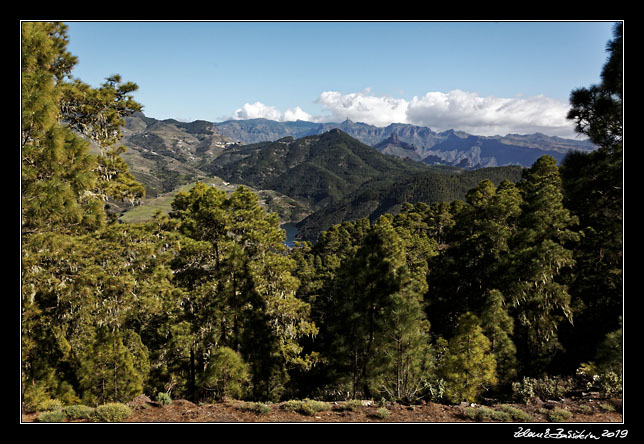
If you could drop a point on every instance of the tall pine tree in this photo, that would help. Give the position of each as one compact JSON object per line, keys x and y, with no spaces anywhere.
{"x":593,"y":191}
{"x":541,"y":258}
{"x":380,"y":333}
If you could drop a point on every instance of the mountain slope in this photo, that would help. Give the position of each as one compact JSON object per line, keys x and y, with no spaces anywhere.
{"x":381,"y":196}
{"x":320,"y":169}
{"x":163,"y":154}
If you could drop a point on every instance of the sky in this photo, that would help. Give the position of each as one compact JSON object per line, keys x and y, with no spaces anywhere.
{"x":485,"y":78}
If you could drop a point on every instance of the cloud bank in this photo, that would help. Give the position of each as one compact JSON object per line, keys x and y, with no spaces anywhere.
{"x":258,"y":110}
{"x":460,"y":110}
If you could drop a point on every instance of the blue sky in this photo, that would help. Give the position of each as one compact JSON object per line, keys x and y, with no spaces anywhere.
{"x":482,"y":77}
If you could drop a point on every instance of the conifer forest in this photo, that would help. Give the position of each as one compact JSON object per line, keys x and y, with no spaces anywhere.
{"x":517,"y":285}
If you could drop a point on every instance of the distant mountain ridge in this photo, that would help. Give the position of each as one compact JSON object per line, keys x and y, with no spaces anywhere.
{"x":331,"y":176}
{"x":451,"y":147}
{"x":320,"y":169}
{"x":341,"y":178}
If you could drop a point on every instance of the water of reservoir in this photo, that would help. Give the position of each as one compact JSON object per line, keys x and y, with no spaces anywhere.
{"x":291,"y":232}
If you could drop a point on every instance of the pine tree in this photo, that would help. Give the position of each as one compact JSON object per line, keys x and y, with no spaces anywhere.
{"x":240,"y":288}
{"x":57,"y":169}
{"x":498,"y":327}
{"x":114,"y":367}
{"x":593,"y":191}
{"x":475,"y":257}
{"x":598,"y":109}
{"x":379,"y":330}
{"x":540,"y":257}
{"x":117,"y":279}
{"x":469,"y":368}
{"x":63,"y":185}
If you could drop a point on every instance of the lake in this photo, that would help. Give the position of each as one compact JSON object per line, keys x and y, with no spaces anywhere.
{"x":291,"y":232}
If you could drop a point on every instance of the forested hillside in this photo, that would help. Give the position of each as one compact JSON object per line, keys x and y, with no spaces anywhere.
{"x":514,"y":291}
{"x":387,"y":195}
{"x":319,"y":169}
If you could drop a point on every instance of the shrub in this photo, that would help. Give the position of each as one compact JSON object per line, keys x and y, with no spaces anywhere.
{"x":226,"y":375}
{"x":352,"y":405}
{"x":544,"y":388}
{"x":483,"y":413}
{"x":382,"y":413}
{"x":256,"y":407}
{"x":49,"y":405}
{"x":35,"y":395}
{"x":515,"y":413}
{"x":505,"y":413}
{"x":164,"y":398}
{"x":559,"y":415}
{"x":52,"y":416}
{"x":111,"y":412}
{"x":586,"y":409}
{"x":306,"y":407}
{"x":78,"y":411}
{"x":435,"y":390}
{"x":603,"y":379}
{"x":610,"y":383}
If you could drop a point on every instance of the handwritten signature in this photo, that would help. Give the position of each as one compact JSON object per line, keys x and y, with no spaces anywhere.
{"x":569,"y":434}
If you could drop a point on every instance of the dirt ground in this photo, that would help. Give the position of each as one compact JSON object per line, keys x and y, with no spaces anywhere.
{"x":584,"y":410}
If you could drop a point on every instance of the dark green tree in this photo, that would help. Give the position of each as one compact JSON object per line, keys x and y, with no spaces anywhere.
{"x":117,"y":280}
{"x":57,"y":168}
{"x":380,"y":333}
{"x":598,"y":109}
{"x":240,"y":288}
{"x":593,"y":191}
{"x":475,"y":255}
{"x":114,"y":367}
{"x":498,"y":327}
{"x":541,"y":260}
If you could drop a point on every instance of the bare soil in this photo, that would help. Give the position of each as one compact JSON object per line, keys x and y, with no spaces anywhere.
{"x":584,"y":410}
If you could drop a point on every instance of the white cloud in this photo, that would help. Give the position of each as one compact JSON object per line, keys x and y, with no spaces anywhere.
{"x":364,"y":107}
{"x":460,"y":110}
{"x":291,"y":115}
{"x":489,"y":116}
{"x":258,"y":110}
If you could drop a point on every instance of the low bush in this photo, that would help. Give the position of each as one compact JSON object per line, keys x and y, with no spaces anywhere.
{"x":559,"y":415}
{"x":548,"y":387}
{"x":352,"y":405}
{"x":435,"y":390}
{"x":78,"y":411}
{"x":504,"y":413}
{"x":164,"y":398}
{"x":255,"y":407}
{"x":604,"y":380}
{"x":486,"y":413}
{"x":515,"y":413}
{"x":111,"y":412}
{"x":382,"y":413}
{"x":52,"y":416}
{"x":306,"y":407}
{"x":49,"y":405}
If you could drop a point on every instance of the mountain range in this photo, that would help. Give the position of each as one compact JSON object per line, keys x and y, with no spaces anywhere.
{"x":451,"y":147}
{"x":328,"y":172}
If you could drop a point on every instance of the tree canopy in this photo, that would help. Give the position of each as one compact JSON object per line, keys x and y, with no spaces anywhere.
{"x":447,"y":301}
